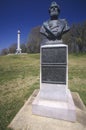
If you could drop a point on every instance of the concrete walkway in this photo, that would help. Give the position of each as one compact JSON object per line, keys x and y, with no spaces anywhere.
{"x":24,"y":120}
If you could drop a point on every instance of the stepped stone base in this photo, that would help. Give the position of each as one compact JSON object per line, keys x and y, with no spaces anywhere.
{"x":54,"y":108}
{"x":25,"y":120}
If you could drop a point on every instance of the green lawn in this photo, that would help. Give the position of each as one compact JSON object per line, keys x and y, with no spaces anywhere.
{"x":19,"y":76}
{"x":77,"y":75}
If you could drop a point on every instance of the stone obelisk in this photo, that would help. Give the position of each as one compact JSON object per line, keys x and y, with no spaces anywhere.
{"x":18,"y":50}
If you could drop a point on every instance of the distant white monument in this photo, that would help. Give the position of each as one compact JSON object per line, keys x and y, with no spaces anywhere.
{"x":18,"y":50}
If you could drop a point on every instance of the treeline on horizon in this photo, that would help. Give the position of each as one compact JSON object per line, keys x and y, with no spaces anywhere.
{"x":75,"y":39}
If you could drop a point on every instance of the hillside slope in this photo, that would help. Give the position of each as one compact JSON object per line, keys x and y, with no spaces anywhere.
{"x":19,"y":76}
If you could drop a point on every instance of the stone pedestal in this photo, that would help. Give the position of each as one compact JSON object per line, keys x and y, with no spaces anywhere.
{"x":54,"y":99}
{"x":18,"y":51}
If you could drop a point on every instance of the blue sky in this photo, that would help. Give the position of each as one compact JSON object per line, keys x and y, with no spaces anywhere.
{"x":26,"y":14}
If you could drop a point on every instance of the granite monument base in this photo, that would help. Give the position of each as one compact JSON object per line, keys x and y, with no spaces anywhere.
{"x":53,"y":92}
{"x":25,"y":120}
{"x":18,"y":51}
{"x":54,"y":99}
{"x":54,"y":108}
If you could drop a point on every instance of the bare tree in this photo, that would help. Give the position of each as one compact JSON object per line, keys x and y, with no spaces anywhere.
{"x":34,"y":40}
{"x":5,"y":51}
{"x":12,"y":48}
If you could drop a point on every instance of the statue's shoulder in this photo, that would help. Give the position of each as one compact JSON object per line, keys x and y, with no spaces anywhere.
{"x":46,"y":22}
{"x":63,"y":20}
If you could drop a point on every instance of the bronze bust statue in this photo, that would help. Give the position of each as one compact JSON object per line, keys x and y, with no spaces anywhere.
{"x":54,"y":28}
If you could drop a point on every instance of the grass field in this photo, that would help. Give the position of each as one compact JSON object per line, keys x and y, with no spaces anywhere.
{"x":19,"y":76}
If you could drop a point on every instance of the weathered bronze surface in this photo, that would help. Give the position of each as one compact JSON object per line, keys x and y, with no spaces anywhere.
{"x":54,"y":28}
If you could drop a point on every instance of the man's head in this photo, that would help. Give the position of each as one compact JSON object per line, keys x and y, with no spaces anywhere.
{"x":54,"y":10}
